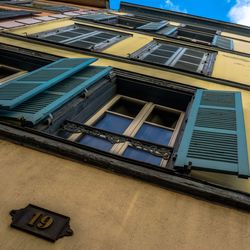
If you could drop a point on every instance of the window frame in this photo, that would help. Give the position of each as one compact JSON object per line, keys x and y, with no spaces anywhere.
{"x":136,"y":124}
{"x":207,"y":61}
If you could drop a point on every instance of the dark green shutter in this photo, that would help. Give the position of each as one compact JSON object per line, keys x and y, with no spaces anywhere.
{"x":42,"y":105}
{"x":222,"y":42}
{"x":153,"y":26}
{"x":24,"y":87}
{"x":214,"y":137}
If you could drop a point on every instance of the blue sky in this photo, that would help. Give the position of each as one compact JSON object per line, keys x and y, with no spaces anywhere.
{"x":236,"y":11}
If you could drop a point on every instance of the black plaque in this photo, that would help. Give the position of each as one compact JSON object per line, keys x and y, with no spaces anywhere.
{"x":41,"y":222}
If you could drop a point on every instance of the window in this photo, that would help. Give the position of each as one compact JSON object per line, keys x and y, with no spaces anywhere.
{"x":130,"y":117}
{"x":124,"y":21}
{"x":6,"y":71}
{"x":138,"y":119}
{"x":185,"y":58}
{"x":198,"y":34}
{"x":80,"y":36}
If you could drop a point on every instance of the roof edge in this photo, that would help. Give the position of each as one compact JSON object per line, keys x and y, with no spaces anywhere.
{"x":133,"y":8}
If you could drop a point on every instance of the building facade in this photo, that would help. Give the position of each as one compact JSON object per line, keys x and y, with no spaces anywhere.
{"x":134,"y":123}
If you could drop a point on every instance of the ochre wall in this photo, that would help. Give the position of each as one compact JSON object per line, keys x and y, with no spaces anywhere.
{"x":108,"y":211}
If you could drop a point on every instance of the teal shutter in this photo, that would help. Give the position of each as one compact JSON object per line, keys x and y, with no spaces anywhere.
{"x":16,"y":91}
{"x":222,"y":42}
{"x":214,"y":137}
{"x":153,"y":26}
{"x":42,"y":105}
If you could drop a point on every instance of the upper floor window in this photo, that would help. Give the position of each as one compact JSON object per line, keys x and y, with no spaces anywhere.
{"x":185,"y":58}
{"x":80,"y":36}
{"x":198,"y":34}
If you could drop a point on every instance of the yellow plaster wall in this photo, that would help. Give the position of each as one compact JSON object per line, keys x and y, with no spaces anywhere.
{"x":242,"y":46}
{"x":108,"y":211}
{"x":232,"y":67}
{"x":231,"y":35}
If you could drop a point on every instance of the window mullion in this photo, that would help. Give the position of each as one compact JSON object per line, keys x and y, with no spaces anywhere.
{"x":134,"y":127}
{"x":177,"y":55}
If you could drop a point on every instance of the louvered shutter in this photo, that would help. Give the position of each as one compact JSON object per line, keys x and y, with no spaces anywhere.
{"x":97,"y":17}
{"x":191,"y":60}
{"x":222,"y":42}
{"x":42,"y":105}
{"x":167,"y":30}
{"x":23,"y":88}
{"x":154,"y":26}
{"x":6,"y":14}
{"x":214,"y":137}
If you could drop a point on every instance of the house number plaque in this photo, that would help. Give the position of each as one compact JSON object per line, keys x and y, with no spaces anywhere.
{"x":41,"y":222}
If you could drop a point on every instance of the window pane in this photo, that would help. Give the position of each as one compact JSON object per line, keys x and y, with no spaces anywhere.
{"x":127,"y":107}
{"x":154,"y":134}
{"x":96,"y":142}
{"x":141,"y":155}
{"x":113,"y":123}
{"x":163,"y":117}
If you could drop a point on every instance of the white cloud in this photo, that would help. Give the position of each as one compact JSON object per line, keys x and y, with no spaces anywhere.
{"x":171,"y":6}
{"x":240,"y":12}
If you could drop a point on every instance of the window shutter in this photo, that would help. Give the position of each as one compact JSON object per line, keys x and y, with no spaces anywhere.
{"x":97,"y":17}
{"x":214,"y":136}
{"x":23,"y":88}
{"x":191,"y":60}
{"x":7,"y":14}
{"x":153,"y":26}
{"x":222,"y":42}
{"x":167,"y":30}
{"x":42,"y":105}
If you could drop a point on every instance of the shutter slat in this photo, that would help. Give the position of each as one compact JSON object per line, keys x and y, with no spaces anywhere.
{"x":167,"y":30}
{"x":214,"y":137}
{"x":97,"y":17}
{"x":40,"y":106}
{"x":153,"y":25}
{"x":222,"y":42}
{"x":24,"y":87}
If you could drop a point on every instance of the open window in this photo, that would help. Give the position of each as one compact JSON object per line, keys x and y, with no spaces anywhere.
{"x":80,"y":36}
{"x":130,"y":117}
{"x":179,"y":57}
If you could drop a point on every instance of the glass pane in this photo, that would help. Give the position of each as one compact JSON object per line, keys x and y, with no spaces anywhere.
{"x":154,"y":134}
{"x":141,"y":155}
{"x":96,"y":142}
{"x":113,"y":123}
{"x":127,"y":107}
{"x":163,"y":117}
